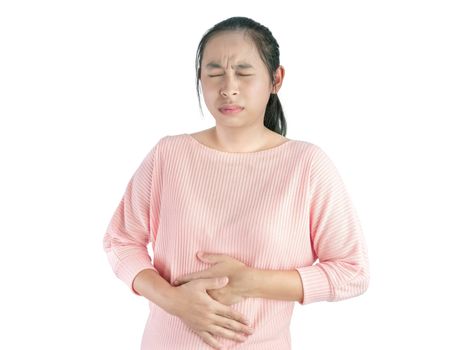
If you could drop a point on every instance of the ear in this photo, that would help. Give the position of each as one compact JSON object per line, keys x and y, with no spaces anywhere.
{"x":278,"y":79}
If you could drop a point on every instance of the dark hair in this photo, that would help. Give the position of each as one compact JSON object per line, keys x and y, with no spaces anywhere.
{"x":268,"y":49}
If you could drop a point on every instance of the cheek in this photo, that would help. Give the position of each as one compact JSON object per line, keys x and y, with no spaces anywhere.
{"x":209,"y":91}
{"x":257,"y":94}
{"x":257,"y":87}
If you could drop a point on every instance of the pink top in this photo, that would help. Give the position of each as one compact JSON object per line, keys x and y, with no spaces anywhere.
{"x":280,"y":208}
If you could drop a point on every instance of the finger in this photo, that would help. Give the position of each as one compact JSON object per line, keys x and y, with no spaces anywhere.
{"x":226,"y":332}
{"x":233,"y":325}
{"x":189,"y":277}
{"x":226,"y":311}
{"x":212,"y":258}
{"x":195,"y":275}
{"x":178,"y":282}
{"x":183,"y":279}
{"x":215,"y":282}
{"x":210,"y":340}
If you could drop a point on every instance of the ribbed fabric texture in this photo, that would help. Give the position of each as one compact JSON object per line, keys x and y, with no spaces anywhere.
{"x":280,"y":209}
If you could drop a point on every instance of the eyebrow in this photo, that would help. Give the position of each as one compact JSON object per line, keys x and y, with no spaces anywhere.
{"x":212,"y":65}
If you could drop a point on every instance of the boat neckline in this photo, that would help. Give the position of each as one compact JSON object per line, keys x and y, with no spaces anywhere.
{"x":213,"y":150}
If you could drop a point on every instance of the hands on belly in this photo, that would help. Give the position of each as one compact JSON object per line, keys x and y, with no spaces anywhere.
{"x":223,"y":266}
{"x":210,"y":315}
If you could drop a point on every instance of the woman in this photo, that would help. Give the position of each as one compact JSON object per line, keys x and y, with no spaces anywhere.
{"x":262,"y":207}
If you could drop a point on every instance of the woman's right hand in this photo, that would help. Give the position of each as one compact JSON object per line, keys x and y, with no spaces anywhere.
{"x":206,"y":316}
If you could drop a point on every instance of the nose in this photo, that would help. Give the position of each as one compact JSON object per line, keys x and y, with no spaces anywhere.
{"x":229,"y":88}
{"x":226,"y":93}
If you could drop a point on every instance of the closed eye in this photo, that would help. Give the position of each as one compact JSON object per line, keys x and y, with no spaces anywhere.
{"x":242,"y":75}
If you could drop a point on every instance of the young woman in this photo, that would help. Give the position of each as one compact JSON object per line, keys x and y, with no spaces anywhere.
{"x":261,"y":207}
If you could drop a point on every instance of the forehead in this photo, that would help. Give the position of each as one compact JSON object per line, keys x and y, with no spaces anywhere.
{"x":233,"y":48}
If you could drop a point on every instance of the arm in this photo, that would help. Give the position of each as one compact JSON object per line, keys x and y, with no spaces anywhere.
{"x":128,"y":233}
{"x":155,"y":288}
{"x":337,"y":240}
{"x":274,"y":284}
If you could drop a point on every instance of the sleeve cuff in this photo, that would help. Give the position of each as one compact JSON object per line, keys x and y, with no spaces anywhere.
{"x":316,"y":286}
{"x":126,"y":269}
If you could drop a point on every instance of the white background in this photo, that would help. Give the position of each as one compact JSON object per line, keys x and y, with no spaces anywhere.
{"x":88,"y":87}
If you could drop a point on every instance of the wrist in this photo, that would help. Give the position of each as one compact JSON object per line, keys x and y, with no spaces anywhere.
{"x":252,"y":283}
{"x":171,"y":300}
{"x":158,"y":290}
{"x":274,"y":284}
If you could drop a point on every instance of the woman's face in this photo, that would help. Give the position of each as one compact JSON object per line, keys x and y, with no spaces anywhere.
{"x":232,"y":72}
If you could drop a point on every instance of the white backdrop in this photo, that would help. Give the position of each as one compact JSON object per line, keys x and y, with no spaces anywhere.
{"x":88,"y":87}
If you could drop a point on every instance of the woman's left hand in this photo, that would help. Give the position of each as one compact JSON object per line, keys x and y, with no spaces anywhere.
{"x":224,"y":265}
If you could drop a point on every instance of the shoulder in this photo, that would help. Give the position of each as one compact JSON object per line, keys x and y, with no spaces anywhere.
{"x":169,"y":141}
{"x":308,"y":148}
{"x":168,"y":144}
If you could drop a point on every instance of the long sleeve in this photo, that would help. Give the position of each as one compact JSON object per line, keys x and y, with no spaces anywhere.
{"x":336,"y":237}
{"x":277,"y":209}
{"x":128,"y":233}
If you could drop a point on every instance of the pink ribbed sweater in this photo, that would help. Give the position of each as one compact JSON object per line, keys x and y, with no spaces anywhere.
{"x":280,"y":208}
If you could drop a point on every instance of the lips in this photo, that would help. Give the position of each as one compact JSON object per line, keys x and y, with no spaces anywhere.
{"x":230,"y":107}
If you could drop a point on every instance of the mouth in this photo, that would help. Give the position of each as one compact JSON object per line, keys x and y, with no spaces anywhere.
{"x":229,"y":109}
